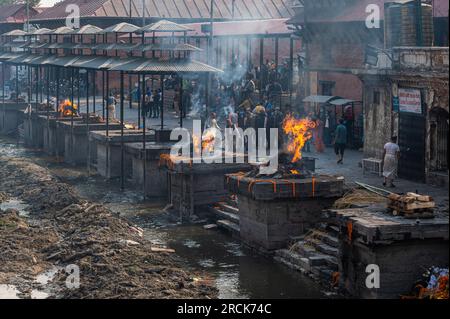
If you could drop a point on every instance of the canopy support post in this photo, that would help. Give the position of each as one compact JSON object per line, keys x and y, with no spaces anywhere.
{"x":144,"y":128}
{"x":87,"y":125}
{"x":122,"y":156}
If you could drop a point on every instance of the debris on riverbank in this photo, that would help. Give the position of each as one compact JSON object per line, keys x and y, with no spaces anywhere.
{"x":113,"y":258}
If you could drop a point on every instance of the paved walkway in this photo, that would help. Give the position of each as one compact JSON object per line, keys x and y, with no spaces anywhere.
{"x":353,"y":172}
{"x":326,"y":162}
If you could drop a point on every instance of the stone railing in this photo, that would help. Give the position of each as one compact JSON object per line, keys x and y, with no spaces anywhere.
{"x":415,"y":58}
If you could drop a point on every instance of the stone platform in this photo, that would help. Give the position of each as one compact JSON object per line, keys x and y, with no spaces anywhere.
{"x":54,"y":137}
{"x":273,"y":211}
{"x":109,"y":152}
{"x":34,"y":128}
{"x":76,"y":144}
{"x":402,"y":248}
{"x":11,"y":116}
{"x":155,"y":174}
{"x":193,"y":185}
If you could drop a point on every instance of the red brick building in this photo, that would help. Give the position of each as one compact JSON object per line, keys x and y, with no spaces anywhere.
{"x":104,"y":13}
{"x":12,"y":16}
{"x":335,"y":38}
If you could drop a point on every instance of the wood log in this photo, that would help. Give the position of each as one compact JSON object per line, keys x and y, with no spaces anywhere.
{"x":421,"y":198}
{"x":162,"y":250}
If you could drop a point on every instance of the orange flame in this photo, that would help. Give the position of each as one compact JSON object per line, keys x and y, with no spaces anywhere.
{"x":207,"y":141}
{"x":299,"y":132}
{"x":67,"y":109}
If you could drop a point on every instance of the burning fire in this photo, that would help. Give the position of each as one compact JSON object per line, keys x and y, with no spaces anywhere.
{"x":67,"y":109}
{"x":299,"y":132}
{"x":207,"y":141}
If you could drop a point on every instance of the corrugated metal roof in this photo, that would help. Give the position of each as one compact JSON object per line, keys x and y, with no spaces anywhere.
{"x":15,"y":13}
{"x":88,"y":29}
{"x":57,"y":46}
{"x":37,"y":45}
{"x":23,"y":58}
{"x":58,"y":11}
{"x":174,"y":9}
{"x":169,"y":47}
{"x":341,"y":102}
{"x":65,"y":61}
{"x":16,"y":45}
{"x":249,"y":27}
{"x":63,"y":30}
{"x":136,"y":65}
{"x":128,"y":47}
{"x":122,"y":28}
{"x":165,"y":26}
{"x":40,"y":60}
{"x":14,"y":33}
{"x":114,"y":46}
{"x":41,"y":31}
{"x":103,"y":63}
{"x":320,"y":99}
{"x":7,"y":56}
{"x":163,"y":66}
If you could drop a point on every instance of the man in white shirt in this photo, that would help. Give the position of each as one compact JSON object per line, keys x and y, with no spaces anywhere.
{"x":391,"y":156}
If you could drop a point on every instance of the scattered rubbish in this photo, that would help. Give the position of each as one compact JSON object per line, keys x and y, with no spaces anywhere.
{"x":433,"y":285}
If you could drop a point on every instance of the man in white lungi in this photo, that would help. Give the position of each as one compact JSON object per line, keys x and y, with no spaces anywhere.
{"x":391,"y":156}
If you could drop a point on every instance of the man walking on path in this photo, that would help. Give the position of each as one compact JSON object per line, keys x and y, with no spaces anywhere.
{"x":340,"y":141}
{"x":391,"y":156}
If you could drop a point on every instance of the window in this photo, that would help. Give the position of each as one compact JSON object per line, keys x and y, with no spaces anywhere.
{"x":327,"y":88}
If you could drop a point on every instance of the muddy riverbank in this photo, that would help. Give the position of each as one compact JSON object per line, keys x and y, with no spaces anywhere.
{"x":210,"y":257}
{"x":113,"y":258}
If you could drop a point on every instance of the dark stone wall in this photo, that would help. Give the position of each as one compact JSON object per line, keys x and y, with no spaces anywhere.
{"x":401,"y":265}
{"x":268,"y":226}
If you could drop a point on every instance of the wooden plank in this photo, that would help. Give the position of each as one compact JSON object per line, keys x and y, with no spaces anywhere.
{"x":421,"y":198}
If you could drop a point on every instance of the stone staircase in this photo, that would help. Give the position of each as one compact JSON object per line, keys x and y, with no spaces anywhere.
{"x":227,"y":214}
{"x":315,"y":254}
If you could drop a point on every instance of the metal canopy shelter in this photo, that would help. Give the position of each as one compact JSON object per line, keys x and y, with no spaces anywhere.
{"x":122,"y":28}
{"x":165,"y":26}
{"x":320,"y":99}
{"x":104,"y":63}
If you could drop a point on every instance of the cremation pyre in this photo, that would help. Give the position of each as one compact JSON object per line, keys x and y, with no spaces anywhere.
{"x":68,"y":108}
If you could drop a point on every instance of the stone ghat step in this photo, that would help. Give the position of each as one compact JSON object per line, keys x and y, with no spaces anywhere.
{"x":229,"y":226}
{"x":314,"y":251}
{"x":221,"y":214}
{"x":308,"y":263}
{"x":322,"y":237}
{"x":327,"y":249}
{"x":229,"y":208}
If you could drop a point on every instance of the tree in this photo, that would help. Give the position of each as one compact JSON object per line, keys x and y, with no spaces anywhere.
{"x":33,"y":3}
